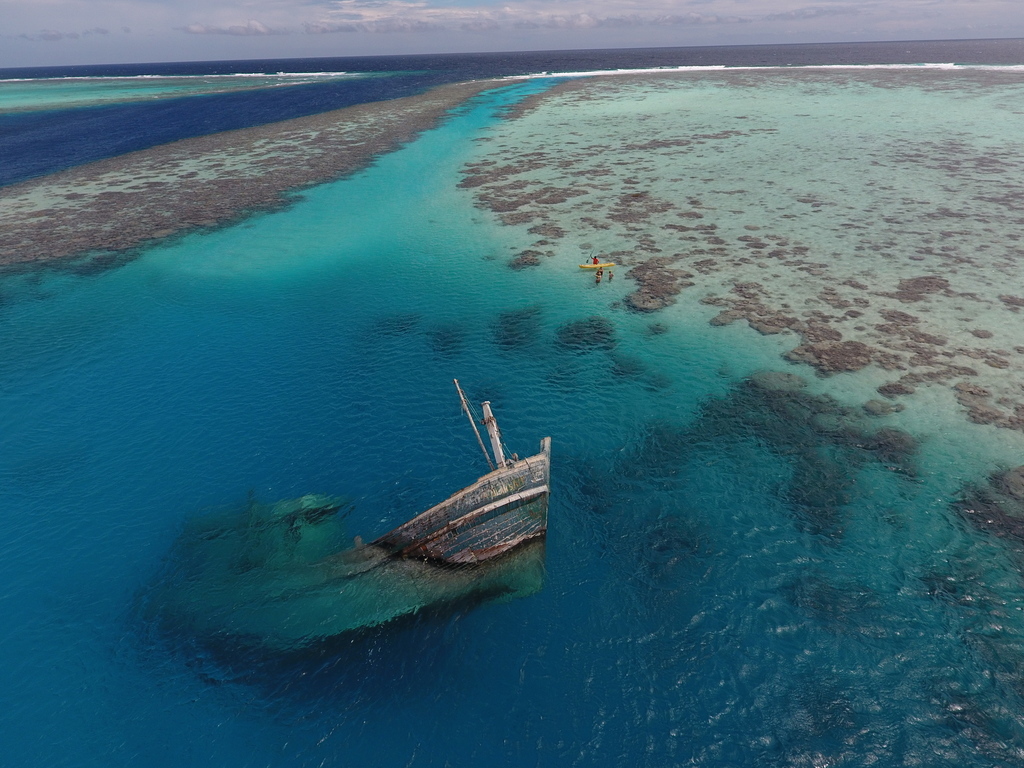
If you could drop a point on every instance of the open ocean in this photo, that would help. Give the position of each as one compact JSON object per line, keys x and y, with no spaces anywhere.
{"x":727,"y":585}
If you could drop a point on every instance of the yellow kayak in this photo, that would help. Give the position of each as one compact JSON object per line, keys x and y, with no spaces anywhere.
{"x":603,"y":265}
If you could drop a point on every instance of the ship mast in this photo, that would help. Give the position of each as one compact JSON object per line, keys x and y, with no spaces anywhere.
{"x":472,"y":422}
{"x":493,"y":432}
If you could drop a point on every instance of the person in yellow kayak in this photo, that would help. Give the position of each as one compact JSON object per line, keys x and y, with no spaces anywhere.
{"x":594,"y":260}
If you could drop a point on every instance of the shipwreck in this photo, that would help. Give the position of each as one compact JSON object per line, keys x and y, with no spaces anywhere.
{"x":280,"y":577}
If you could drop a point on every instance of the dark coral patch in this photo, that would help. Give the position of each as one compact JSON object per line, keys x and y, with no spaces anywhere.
{"x":918,"y":288}
{"x":833,"y":357}
{"x":824,"y":442}
{"x":517,"y":328}
{"x":996,"y":506}
{"x":447,"y":340}
{"x":658,"y":284}
{"x":586,"y":335}
{"x":527,"y":258}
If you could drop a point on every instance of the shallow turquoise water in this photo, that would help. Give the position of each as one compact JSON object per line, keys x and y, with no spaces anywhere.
{"x":704,"y":604}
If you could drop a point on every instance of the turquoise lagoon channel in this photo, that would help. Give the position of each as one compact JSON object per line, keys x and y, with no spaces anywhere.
{"x":724,"y":585}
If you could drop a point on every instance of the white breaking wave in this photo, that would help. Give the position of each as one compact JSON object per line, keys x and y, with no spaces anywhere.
{"x":722,"y":67}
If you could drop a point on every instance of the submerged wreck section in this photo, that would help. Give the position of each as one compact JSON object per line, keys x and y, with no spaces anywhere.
{"x":279,"y":577}
{"x":248,"y":579}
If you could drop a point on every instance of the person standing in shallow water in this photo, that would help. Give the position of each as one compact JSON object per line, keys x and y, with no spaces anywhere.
{"x":610,"y":275}
{"x":598,"y":277}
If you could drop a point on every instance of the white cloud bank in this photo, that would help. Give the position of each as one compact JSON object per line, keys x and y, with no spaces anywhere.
{"x":34,"y":30}
{"x":251,"y":27}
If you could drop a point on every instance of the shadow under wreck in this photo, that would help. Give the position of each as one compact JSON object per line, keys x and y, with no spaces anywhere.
{"x":276,"y":576}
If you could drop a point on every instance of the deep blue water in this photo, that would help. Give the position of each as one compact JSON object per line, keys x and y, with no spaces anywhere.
{"x":34,"y":144}
{"x":727,"y":584}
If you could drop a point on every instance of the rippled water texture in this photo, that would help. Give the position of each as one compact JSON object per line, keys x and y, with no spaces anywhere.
{"x":741,"y":569}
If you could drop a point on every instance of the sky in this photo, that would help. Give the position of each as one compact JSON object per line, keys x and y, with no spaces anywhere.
{"x":63,"y":32}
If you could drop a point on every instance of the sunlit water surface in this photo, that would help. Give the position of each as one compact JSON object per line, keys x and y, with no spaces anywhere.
{"x":701,"y":605}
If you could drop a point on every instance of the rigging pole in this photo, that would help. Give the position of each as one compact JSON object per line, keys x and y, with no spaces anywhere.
{"x":472,"y":422}
{"x":494,"y":433}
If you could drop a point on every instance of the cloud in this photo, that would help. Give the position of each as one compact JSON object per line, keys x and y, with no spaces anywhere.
{"x":700,"y":18}
{"x":377,"y":25}
{"x":325,"y":28}
{"x":251,"y":27}
{"x":811,"y":13}
{"x":287,"y":27}
{"x":480,"y":25}
{"x":403,"y":16}
{"x":484,"y":16}
{"x":53,"y":36}
{"x":48,"y":36}
{"x":399,"y":24}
